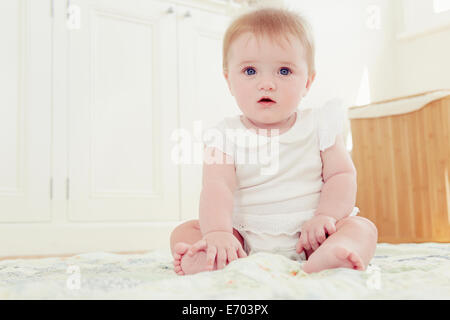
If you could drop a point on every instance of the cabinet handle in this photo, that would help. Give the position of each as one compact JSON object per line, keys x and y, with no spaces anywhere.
{"x":170,"y":10}
{"x":73,"y":18}
{"x":188,"y":14}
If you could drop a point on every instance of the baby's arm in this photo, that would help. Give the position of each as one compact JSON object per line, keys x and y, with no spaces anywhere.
{"x":216,"y":208}
{"x":337,"y":198}
{"x":338,"y":195}
{"x":216,"y":198}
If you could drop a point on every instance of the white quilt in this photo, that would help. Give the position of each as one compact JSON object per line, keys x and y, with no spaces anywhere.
{"x":403,"y":271}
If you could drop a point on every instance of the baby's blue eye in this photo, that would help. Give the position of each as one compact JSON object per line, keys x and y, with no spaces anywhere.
{"x":285,"y":71}
{"x":250,"y":71}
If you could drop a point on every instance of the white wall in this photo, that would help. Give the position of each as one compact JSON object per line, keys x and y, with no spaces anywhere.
{"x":423,"y":63}
{"x":408,"y":54}
{"x":362,"y":59}
{"x":422,"y":48}
{"x":355,"y":56}
{"x":347,"y":46}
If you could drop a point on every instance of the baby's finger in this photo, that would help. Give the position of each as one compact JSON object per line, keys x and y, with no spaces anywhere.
{"x":298,"y":246}
{"x":241,"y":252}
{"x":231,"y":253}
{"x":312,"y":240}
{"x":320,"y":235}
{"x":221,"y":258}
{"x":199,"y":245}
{"x":305,"y":242}
{"x":331,"y":228}
{"x":211,"y":256}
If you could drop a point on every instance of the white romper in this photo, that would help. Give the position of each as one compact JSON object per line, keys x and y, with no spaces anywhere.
{"x":279,"y":178}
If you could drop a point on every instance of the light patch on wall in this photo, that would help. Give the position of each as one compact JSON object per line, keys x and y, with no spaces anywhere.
{"x":362,"y":99}
{"x":349,"y":142}
{"x":364,"y":89}
{"x":441,"y":5}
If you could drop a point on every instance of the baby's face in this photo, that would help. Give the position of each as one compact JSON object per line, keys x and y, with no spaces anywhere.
{"x":258,"y":69}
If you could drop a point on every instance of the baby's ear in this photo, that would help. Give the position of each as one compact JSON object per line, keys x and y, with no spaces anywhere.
{"x":311,"y":78}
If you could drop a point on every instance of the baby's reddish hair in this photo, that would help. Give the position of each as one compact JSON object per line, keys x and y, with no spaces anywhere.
{"x":274,"y":23}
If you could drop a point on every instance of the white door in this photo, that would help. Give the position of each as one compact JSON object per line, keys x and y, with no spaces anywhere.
{"x":25,"y":111}
{"x":122,"y":97}
{"x":204,"y":95}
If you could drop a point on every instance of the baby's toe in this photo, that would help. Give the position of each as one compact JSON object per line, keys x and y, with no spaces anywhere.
{"x":356,"y":261}
{"x":181,"y":248}
{"x":176,"y":257}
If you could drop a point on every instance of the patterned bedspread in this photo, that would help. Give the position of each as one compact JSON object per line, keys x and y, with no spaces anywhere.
{"x":403,"y":271}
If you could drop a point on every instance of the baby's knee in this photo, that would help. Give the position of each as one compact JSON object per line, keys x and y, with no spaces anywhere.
{"x":360,"y":223}
{"x":182,"y":228}
{"x":190,"y":224}
{"x":369,"y":225}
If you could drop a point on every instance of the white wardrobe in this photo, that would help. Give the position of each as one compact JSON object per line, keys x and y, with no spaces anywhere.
{"x":91,"y":92}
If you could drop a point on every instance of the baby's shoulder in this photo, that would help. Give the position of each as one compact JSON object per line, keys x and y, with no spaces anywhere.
{"x":222,"y":134}
{"x":329,"y":120}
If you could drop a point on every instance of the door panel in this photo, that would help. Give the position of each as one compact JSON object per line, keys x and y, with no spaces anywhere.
{"x":122,"y":111}
{"x":204,"y":95}
{"x":25,"y":111}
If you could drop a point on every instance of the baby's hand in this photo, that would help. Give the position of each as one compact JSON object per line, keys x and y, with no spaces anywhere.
{"x":313,"y":232}
{"x":220,"y":244}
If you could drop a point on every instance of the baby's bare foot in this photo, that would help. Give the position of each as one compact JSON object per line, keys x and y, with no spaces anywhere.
{"x":349,"y":257}
{"x":186,"y":264}
{"x":180,"y":250}
{"x":334,"y":257}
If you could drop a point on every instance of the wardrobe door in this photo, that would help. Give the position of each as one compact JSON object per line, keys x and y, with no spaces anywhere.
{"x":204,"y":96}
{"x":25,"y":111}
{"x":122,"y":99}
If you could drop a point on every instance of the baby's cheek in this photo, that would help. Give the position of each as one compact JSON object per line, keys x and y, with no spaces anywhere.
{"x":244,"y":96}
{"x":293,"y":99}
{"x":242,"y":93}
{"x":301,"y":89}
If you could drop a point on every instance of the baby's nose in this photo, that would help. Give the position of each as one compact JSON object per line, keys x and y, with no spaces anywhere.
{"x":267,"y":85}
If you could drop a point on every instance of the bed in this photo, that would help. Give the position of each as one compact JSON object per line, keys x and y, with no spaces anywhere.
{"x":397,"y":271}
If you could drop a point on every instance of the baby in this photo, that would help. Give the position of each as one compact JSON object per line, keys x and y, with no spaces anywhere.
{"x":304,"y":209}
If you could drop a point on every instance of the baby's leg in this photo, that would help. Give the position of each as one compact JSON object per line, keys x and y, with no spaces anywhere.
{"x":351,"y":246}
{"x":181,"y":239}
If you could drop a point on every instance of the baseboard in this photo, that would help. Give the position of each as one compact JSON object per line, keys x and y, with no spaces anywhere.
{"x":44,"y":240}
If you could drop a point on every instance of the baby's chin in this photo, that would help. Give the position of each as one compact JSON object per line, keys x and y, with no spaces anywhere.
{"x":256,"y":123}
{"x":268,"y":119}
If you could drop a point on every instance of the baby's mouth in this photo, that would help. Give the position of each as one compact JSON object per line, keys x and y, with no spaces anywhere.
{"x":266,"y":101}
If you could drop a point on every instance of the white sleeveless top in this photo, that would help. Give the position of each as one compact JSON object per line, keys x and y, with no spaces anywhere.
{"x":280,"y":177}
